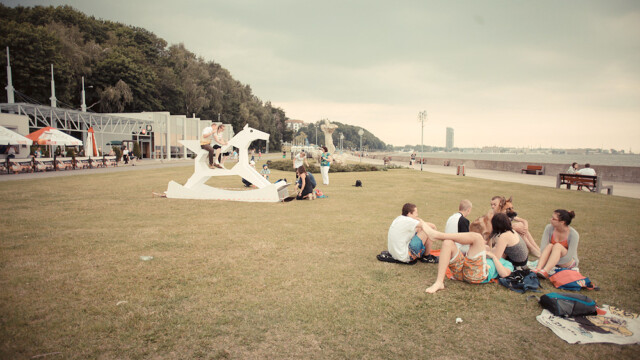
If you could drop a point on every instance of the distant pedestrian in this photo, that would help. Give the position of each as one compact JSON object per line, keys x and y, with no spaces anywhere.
{"x":325,"y":163}
{"x":125,"y":155}
{"x":300,"y":159}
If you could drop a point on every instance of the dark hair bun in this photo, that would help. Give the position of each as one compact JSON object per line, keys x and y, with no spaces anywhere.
{"x":572,"y":214}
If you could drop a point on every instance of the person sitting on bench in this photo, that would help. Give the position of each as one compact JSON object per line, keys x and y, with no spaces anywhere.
{"x":586,"y":170}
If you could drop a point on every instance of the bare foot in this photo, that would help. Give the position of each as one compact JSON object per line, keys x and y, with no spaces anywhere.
{"x":435,"y":287}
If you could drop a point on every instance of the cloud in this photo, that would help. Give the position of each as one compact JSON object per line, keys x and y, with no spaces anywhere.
{"x":541,"y":73}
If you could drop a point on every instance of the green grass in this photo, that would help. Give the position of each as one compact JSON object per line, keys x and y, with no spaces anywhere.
{"x":283,"y":280}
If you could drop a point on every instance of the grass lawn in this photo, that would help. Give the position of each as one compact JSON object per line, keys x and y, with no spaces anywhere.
{"x":278,"y":280}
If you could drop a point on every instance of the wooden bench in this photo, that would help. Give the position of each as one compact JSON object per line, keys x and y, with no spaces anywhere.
{"x":590,"y":182}
{"x":534,"y":170}
{"x":43,"y":164}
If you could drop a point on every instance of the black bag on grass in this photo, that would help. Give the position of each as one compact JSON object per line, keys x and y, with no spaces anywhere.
{"x":568,"y":305}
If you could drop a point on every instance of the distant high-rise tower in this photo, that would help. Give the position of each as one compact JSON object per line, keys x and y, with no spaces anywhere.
{"x":449,"y":139}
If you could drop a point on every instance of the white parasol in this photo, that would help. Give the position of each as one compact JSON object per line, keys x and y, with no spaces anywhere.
{"x":51,"y":136}
{"x":8,"y":137}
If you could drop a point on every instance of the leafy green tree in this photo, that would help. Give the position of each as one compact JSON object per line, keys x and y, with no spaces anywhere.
{"x":115,"y":98}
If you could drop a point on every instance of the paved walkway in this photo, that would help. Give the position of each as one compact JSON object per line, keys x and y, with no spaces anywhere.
{"x":631,"y":190}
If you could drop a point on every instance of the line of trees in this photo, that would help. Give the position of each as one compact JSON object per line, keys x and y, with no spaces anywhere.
{"x":351,"y":137}
{"x":129,"y":69}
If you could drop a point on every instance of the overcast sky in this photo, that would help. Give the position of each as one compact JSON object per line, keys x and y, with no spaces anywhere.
{"x":508,"y":73}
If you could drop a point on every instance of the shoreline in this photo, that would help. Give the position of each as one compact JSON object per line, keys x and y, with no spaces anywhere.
{"x":616,"y":173}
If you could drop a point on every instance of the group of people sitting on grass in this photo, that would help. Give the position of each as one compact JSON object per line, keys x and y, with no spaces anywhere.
{"x":471,"y":258}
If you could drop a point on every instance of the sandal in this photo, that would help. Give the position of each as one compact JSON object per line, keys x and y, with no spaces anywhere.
{"x":542,"y":273}
{"x":430,"y":259}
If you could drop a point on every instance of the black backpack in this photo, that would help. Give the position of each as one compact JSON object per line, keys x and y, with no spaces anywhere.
{"x":568,"y":305}
{"x":358,"y":183}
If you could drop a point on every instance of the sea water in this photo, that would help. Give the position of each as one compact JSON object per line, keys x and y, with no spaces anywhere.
{"x":533,"y":158}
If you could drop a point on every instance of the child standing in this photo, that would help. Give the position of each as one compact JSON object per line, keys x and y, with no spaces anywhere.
{"x":265,"y":171}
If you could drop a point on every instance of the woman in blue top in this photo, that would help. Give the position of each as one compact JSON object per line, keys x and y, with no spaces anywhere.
{"x":325,"y":162}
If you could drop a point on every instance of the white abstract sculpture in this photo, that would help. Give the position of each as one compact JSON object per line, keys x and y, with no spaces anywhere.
{"x":328,"y":129}
{"x":195,"y":187}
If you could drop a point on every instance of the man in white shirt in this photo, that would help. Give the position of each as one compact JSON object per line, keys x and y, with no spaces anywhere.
{"x":587,"y":170}
{"x":458,"y":223}
{"x":407,"y":240}
{"x":205,"y":143}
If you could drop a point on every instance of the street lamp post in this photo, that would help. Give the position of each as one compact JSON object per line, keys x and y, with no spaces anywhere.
{"x":422,"y":116}
{"x":360,"y":132}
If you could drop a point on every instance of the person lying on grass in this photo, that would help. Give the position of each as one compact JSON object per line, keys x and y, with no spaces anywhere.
{"x":559,"y":244}
{"x":407,"y":239}
{"x":473,"y":268}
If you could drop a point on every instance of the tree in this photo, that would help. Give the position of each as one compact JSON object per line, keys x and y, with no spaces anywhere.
{"x":115,"y":98}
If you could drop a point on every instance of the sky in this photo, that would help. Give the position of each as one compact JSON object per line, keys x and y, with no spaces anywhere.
{"x":552,"y":74}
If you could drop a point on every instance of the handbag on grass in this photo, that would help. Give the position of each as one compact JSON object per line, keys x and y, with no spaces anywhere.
{"x":568,"y":279}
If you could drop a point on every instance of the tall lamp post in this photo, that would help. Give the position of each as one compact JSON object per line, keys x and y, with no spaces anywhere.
{"x":360,"y":132}
{"x":422,"y":116}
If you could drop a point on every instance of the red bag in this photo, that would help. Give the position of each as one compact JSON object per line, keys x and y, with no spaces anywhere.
{"x":568,"y":279}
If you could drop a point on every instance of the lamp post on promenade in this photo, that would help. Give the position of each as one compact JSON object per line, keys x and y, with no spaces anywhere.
{"x":360,"y":132}
{"x":422,"y":116}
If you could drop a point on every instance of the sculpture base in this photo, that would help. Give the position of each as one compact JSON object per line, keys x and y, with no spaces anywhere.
{"x":272,"y":193}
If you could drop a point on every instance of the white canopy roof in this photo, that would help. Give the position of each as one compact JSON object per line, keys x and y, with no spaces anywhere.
{"x":8,"y":137}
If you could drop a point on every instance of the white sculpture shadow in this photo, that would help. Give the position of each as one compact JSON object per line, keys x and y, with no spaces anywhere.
{"x":195,"y":187}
